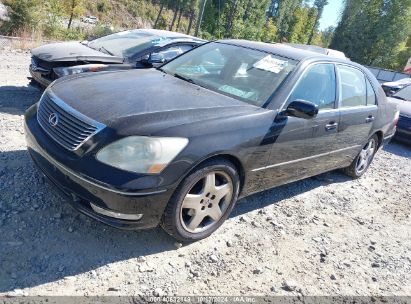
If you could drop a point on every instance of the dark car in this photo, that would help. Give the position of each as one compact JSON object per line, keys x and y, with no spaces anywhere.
{"x":142,"y":48}
{"x":403,"y":99}
{"x":179,"y":145}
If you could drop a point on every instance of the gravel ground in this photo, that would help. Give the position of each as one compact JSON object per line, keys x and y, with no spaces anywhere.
{"x":327,"y":235}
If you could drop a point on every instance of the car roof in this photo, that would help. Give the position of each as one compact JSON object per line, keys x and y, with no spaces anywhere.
{"x":284,"y":50}
{"x":403,"y":81}
{"x":168,"y":34}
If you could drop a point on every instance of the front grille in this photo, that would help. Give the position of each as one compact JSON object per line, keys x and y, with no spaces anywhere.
{"x":65,"y":125}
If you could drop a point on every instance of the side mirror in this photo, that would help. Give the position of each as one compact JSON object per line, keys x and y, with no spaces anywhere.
{"x":302,"y":109}
{"x":156,"y":58}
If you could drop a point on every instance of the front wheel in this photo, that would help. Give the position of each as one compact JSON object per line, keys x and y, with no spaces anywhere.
{"x":363,"y":159}
{"x":202,"y":202}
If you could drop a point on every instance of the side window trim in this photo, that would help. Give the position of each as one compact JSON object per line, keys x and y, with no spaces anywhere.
{"x":369,"y":84}
{"x":306,"y":69}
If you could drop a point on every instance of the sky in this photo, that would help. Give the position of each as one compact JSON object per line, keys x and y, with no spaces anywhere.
{"x":331,"y":14}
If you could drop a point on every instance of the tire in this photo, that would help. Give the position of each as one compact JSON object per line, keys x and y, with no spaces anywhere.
{"x":366,"y":155}
{"x":196,"y":198}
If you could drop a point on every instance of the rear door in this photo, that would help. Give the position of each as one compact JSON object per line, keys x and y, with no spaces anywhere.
{"x":358,"y":109}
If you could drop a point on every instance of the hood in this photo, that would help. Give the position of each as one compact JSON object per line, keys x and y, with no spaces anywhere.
{"x":404,"y":105}
{"x":148,"y":98}
{"x":72,"y":51}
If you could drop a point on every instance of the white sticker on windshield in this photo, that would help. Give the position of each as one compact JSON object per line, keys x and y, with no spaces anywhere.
{"x":271,"y":64}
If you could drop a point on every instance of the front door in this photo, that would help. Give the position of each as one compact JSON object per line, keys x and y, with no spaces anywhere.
{"x":305,"y":147}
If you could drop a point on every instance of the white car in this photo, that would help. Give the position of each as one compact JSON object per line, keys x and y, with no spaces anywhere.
{"x":392,"y":87}
{"x":89,"y":19}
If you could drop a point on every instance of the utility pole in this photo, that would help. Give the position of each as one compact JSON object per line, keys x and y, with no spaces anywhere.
{"x":200,"y":16}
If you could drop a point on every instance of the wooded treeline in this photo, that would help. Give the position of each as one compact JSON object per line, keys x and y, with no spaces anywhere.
{"x":372,"y":32}
{"x":266,"y":20}
{"x":375,"y":32}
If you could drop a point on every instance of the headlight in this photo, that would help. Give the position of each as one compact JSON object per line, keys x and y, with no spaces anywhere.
{"x":142,"y":154}
{"x":79,"y":69}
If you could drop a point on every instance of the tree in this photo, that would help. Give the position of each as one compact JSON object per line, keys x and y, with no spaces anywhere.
{"x":301,"y":24}
{"x":159,"y":13}
{"x":176,"y":10}
{"x":200,"y":16}
{"x":284,"y":12}
{"x":192,"y":6}
{"x":269,"y":33}
{"x":319,"y":5}
{"x":21,"y":15}
{"x":74,"y":8}
{"x":373,"y":32}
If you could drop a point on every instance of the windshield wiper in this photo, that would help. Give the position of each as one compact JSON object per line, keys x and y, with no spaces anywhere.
{"x":184,"y":78}
{"x":398,"y":97}
{"x":102,"y":48}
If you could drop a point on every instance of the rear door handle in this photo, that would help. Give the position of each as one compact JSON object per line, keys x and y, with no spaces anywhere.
{"x":331,"y":126}
{"x":369,"y":119}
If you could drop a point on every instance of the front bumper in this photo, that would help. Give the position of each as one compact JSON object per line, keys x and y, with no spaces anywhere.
{"x":84,"y":192}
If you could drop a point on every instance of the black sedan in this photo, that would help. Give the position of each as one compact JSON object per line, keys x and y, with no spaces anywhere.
{"x":142,"y":48}
{"x":177,"y":146}
{"x":403,"y":99}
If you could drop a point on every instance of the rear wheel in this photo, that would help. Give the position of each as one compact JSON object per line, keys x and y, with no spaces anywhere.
{"x":202,"y":202}
{"x":363,"y":160}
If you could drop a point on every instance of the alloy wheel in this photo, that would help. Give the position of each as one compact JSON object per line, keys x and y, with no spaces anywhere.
{"x":206,"y":202}
{"x":365,"y":157}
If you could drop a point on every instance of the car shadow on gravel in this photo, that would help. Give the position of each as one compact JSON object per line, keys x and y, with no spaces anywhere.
{"x":16,"y":100}
{"x":276,"y":195}
{"x":43,"y":239}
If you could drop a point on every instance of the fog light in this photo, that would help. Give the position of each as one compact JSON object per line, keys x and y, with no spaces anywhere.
{"x":122,"y":216}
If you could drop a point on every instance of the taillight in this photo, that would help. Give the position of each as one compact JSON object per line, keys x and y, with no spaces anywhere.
{"x":396,"y":117}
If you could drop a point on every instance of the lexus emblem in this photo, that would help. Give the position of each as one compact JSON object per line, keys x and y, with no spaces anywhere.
{"x":53,"y":119}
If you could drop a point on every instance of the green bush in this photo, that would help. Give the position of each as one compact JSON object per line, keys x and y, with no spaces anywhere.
{"x":21,"y":14}
{"x":103,"y":6}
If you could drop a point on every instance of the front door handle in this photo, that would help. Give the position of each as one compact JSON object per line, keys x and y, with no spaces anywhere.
{"x":369,"y":119}
{"x":331,"y":126}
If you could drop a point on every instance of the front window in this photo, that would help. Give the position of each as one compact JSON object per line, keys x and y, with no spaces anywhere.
{"x":126,"y":44}
{"x":317,"y":85}
{"x":249,"y":75}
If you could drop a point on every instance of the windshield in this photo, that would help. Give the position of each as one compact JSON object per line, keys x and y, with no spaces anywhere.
{"x":246,"y":74}
{"x":125,"y":44}
{"x":405,"y":93}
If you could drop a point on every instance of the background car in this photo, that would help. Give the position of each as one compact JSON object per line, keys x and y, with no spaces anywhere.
{"x":178,"y":145}
{"x":390,"y":88}
{"x":403,"y":99}
{"x":89,"y":19}
{"x":142,"y":48}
